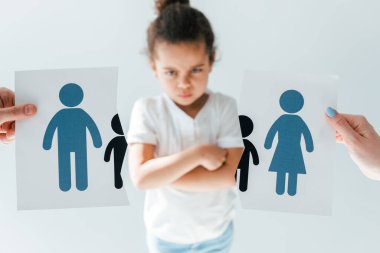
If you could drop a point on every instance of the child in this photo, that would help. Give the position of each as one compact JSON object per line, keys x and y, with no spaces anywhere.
{"x":185,"y":144}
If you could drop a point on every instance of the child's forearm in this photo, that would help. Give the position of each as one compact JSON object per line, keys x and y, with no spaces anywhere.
{"x":158,"y":172}
{"x":202,"y":180}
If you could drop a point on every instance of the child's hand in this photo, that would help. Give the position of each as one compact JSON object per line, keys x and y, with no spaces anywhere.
{"x":361,"y":140}
{"x":212,"y":157}
{"x":9,"y":113}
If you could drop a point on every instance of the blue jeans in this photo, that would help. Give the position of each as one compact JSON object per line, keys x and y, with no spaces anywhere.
{"x":221,"y":244}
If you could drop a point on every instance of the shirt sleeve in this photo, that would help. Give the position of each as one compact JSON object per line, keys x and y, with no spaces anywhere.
{"x":230,"y":133}
{"x":141,"y":124}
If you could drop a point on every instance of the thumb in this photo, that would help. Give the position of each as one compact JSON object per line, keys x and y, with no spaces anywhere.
{"x":17,"y":112}
{"x":342,"y":126}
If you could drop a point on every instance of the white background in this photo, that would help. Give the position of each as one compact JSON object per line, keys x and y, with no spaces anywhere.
{"x":339,"y":37}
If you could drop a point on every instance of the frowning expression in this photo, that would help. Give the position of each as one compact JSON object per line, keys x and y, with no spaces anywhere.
{"x":182,"y":70}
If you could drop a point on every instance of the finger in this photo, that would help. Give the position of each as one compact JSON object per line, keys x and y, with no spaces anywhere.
{"x":360,"y":124}
{"x":223,"y":152}
{"x":4,"y":139}
{"x":10,"y":137}
{"x":7,"y":97}
{"x":2,"y":129}
{"x":17,"y":112}
{"x":339,"y":139}
{"x":11,"y":131}
{"x":340,"y":124}
{"x":8,"y":129}
{"x":5,"y":126}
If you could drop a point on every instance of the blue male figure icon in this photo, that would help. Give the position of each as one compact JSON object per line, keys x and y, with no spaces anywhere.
{"x":71,"y":124}
{"x":288,"y":158}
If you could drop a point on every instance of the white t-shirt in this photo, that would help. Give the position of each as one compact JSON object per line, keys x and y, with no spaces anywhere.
{"x":174,"y":215}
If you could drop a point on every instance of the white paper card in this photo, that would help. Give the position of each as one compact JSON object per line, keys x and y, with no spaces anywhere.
{"x":60,"y":153}
{"x":290,"y":142}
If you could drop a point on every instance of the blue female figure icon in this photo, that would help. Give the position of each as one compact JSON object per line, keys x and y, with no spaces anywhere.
{"x":71,"y":125}
{"x":288,"y":157}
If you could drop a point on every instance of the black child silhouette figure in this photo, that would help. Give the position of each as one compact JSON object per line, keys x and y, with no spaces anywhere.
{"x":246,"y":126}
{"x":119,"y":146}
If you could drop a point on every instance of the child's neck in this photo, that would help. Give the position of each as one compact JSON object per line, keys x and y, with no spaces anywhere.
{"x":193,"y":109}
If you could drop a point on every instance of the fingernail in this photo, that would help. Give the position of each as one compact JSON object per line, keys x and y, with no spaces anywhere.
{"x":29,"y":109}
{"x":331,"y":112}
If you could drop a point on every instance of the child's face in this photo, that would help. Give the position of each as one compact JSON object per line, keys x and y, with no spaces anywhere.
{"x":182,"y":70}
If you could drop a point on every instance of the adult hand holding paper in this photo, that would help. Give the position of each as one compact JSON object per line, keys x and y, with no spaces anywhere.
{"x":361,"y":140}
{"x":9,"y":113}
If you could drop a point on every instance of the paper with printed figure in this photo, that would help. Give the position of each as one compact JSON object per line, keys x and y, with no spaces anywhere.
{"x":288,"y":158}
{"x":71,"y":153}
